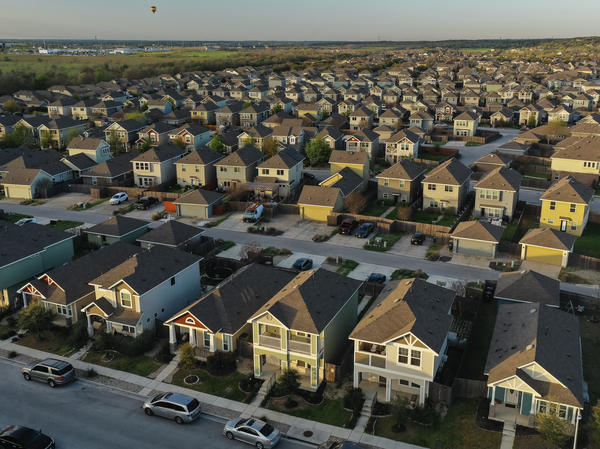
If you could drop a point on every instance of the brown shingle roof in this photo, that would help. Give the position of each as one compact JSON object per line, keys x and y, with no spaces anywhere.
{"x":200,"y":196}
{"x":501,"y":178}
{"x":348,"y":157}
{"x":569,"y":190}
{"x":402,"y":170}
{"x":549,"y":238}
{"x":451,"y":172}
{"x":318,"y":196}
{"x":478,"y":230}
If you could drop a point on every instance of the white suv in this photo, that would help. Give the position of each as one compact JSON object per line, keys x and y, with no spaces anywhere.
{"x":119,"y":198}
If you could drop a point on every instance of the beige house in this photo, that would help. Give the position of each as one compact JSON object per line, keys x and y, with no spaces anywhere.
{"x":59,"y":130}
{"x":497,"y":193}
{"x":157,"y":165}
{"x":366,"y":141}
{"x":404,"y":144}
{"x":239,"y":167}
{"x":465,"y":124}
{"x":197,"y":168}
{"x":447,"y":185}
{"x":401,"y":182}
{"x":204,"y":113}
{"x":96,"y":149}
{"x":279,"y":174}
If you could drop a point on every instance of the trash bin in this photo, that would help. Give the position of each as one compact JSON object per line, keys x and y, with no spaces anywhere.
{"x":434,"y":238}
{"x":450,"y":245}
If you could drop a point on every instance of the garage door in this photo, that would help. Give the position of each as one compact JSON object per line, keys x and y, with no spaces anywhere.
{"x":191,"y":210}
{"x":474,"y":248}
{"x":543,"y":255}
{"x":316,"y":213}
{"x":18,"y":191}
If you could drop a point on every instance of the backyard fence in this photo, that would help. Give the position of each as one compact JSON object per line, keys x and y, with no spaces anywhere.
{"x":510,"y":248}
{"x":386,"y":226}
{"x":584,"y":262}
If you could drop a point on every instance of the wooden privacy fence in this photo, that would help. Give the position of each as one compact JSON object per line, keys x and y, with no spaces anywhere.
{"x":388,"y":226}
{"x":594,"y":217}
{"x":536,"y":183}
{"x":576,"y":299}
{"x":461,"y":388}
{"x":337,"y":373}
{"x":585,"y":262}
{"x":510,"y":248}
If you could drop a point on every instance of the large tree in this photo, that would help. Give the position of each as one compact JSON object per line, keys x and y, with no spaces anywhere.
{"x":36,"y":318}
{"x":10,"y":107}
{"x":217,"y":144}
{"x":114,"y":142}
{"x":72,"y":134}
{"x":355,"y":202}
{"x":318,"y":150}
{"x":136,"y":115}
{"x":46,"y":139}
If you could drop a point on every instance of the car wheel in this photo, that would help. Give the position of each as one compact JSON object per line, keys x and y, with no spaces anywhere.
{"x":259,"y":445}
{"x":26,"y":376}
{"x":178,"y":420}
{"x":51,"y":383}
{"x":148,"y":412}
{"x":229,"y":435}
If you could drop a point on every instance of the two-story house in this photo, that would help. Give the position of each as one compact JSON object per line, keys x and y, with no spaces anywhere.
{"x":356,"y":161}
{"x":197,"y":168}
{"x":404,"y":144}
{"x":157,"y":165}
{"x":229,"y":115}
{"x":254,"y":115}
{"x":401,"y":182}
{"x":465,"y":124}
{"x":83,"y":109}
{"x":205,"y":113}
{"x":366,"y":141}
{"x":305,"y":325}
{"x":447,"y":185}
{"x":581,"y":160}
{"x":61,"y":107}
{"x":361,"y":118}
{"x":156,"y":133}
{"x":333,"y":137}
{"x":126,"y":131}
{"x":497,"y":193}
{"x":257,"y":136}
{"x":531,"y":114}
{"x":96,"y":149}
{"x":193,"y":136}
{"x":59,"y":129}
{"x":566,"y":206}
{"x":239,"y":167}
{"x":400,"y":345}
{"x":421,"y":120}
{"x":279,"y":174}
{"x":151,"y":285}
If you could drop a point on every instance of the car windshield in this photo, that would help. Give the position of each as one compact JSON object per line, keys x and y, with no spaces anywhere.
{"x":116,"y":197}
{"x":267,"y":430}
{"x":27,"y":436}
{"x":193,"y":405}
{"x":157,"y":398}
{"x":242,"y":422}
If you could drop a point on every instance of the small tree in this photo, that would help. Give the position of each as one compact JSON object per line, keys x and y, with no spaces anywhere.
{"x":289,"y":381}
{"x":250,"y":140}
{"x":404,"y":213}
{"x":72,"y":134}
{"x":217,"y":144}
{"x":276,"y":109}
{"x":186,"y":357}
{"x":136,"y":115}
{"x":10,"y":107}
{"x":532,"y":121}
{"x":247,"y":105}
{"x":355,"y":202}
{"x":555,"y":127}
{"x":595,"y":422}
{"x":180,"y":143}
{"x":46,"y":139}
{"x":270,"y":148}
{"x":36,"y":318}
{"x":552,"y":427}
{"x":318,"y":150}
{"x":114,"y":141}
{"x":399,"y":412}
{"x":145,"y":146}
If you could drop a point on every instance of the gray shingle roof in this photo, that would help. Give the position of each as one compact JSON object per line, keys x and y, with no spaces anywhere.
{"x":501,"y":178}
{"x":478,"y":230}
{"x":160,"y":153}
{"x":528,"y":286}
{"x":569,"y":190}
{"x":200,"y":196}
{"x":172,"y":233}
{"x":243,"y":157}
{"x":451,"y":172}
{"x":318,"y":196}
{"x":117,"y":226}
{"x":402,"y":170}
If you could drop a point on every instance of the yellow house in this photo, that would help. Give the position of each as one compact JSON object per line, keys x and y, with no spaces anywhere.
{"x":465,"y":124}
{"x":356,"y":161}
{"x":566,"y":206}
{"x":447,"y":185}
{"x":581,"y":160}
{"x":317,"y":202}
{"x":60,"y":129}
{"x":547,"y":246}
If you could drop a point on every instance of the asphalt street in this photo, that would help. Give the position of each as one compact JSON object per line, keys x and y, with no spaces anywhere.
{"x":85,"y":415}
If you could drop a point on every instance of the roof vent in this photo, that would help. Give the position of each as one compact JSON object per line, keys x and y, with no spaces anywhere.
{"x":532,"y":311}
{"x":513,"y":347}
{"x":568,"y":354}
{"x":430,"y":331}
{"x":569,"y":378}
{"x":529,"y":347}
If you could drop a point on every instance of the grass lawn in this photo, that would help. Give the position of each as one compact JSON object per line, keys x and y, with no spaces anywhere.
{"x":527,"y":222}
{"x":216,"y":223}
{"x":568,"y":275}
{"x":53,"y":342}
{"x":531,"y":174}
{"x":2,"y":196}
{"x":433,"y":248}
{"x":393,"y":215}
{"x":377,"y":208}
{"x":225,"y":387}
{"x":439,"y":144}
{"x":447,"y":220}
{"x":589,"y":242}
{"x":432,"y":156}
{"x":509,"y":232}
{"x":142,"y":366}
{"x":457,"y":430}
{"x":4,"y":329}
{"x":388,"y":239}
{"x":473,"y":144}
{"x":65,"y":224}
{"x":224,"y":246}
{"x":347,"y":266}
{"x":590,"y":341}
{"x":32,"y":202}
{"x":481,"y":336}
{"x":405,"y":273}
{"x":14,"y":217}
{"x":89,"y":205}
{"x":532,"y":442}
{"x":329,"y":412}
{"x":423,"y":217}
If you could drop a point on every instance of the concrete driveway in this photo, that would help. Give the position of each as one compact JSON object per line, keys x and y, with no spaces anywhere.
{"x":107,"y":209}
{"x":348,"y":240}
{"x":403,"y":247}
{"x":545,"y":268}
{"x":471,"y":154}
{"x":317,"y":260}
{"x":66,"y":200}
{"x":281,"y":222}
{"x":363,"y":271}
{"x":468,"y":260}
{"x":306,"y":230}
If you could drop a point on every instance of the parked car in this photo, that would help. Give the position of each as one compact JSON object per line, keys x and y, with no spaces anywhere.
{"x":24,"y":437}
{"x":488,"y":291}
{"x":52,"y":371}
{"x":118,"y":198}
{"x":308,"y":175}
{"x":146,"y":202}
{"x":175,"y":406}
{"x":376,"y":278}
{"x":252,"y":431}
{"x":347,"y":226}
{"x":364,"y":230}
{"x":417,"y":239}
{"x":303,"y":264}
{"x":22,"y":221}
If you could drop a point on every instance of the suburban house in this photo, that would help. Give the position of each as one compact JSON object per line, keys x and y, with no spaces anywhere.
{"x":115,"y":171}
{"x":198,"y":203}
{"x":116,"y":229}
{"x":193,"y":136}
{"x":173,"y":234}
{"x":566,"y":206}
{"x":59,"y":129}
{"x":477,"y":238}
{"x":333,"y":137}
{"x":365,"y":140}
{"x":83,"y":109}
{"x":61,"y":107}
{"x":502,"y":117}
{"x":239,"y":296}
{"x":238,"y":168}
{"x":421,"y":120}
{"x":404,"y":144}
{"x":401,"y":182}
{"x":279,"y":175}
{"x":254,"y":115}
{"x":317,"y":202}
{"x":156,"y":133}
{"x":547,"y":246}
{"x":29,"y":250}
{"x":361,"y":118}
{"x":492,"y":161}
{"x":358,"y":162}
{"x":400,"y":345}
{"x":535,"y":358}
{"x":26,"y":183}
{"x":531,"y":115}
{"x":197,"y":168}
{"x":447,"y":185}
{"x":497,"y":193}
{"x":96,"y":149}
{"x":205,"y":113}
{"x":66,"y":289}
{"x":7,"y":124}
{"x":125,"y":130}
{"x":258,"y":136}
{"x":580,"y":160}
{"x":305,"y":325}
{"x":465,"y":124}
{"x":157,"y":165}
{"x":526,"y":287}
{"x":151,"y":285}
{"x":229,"y":115}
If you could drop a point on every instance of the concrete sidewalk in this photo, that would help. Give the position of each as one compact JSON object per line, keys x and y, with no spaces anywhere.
{"x":224,"y":408}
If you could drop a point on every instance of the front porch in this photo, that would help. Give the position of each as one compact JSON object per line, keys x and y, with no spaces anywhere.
{"x":505,"y":413}
{"x":379,"y":390}
{"x":269,"y":369}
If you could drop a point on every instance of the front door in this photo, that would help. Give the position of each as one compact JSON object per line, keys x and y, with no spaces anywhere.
{"x":563,"y":226}
{"x":512,"y":397}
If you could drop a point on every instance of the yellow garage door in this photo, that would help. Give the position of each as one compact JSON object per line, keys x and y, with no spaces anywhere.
{"x":544,"y":255}
{"x":316,"y":213}
{"x":18,"y":191}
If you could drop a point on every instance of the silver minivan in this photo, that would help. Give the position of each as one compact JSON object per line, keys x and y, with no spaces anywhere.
{"x":175,"y":406}
{"x":52,"y":371}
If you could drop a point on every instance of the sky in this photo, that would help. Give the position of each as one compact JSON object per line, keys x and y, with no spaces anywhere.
{"x":308,"y":20}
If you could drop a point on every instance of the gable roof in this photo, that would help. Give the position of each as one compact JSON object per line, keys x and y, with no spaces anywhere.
{"x":549,"y":238}
{"x":200,"y":156}
{"x":478,"y":230}
{"x":569,"y":190}
{"x":283,"y":160}
{"x":172,"y":233}
{"x":404,"y":169}
{"x":348,"y":157}
{"x":118,"y":226}
{"x":451,"y":172}
{"x":526,"y":286}
{"x":582,"y":149}
{"x":200,"y":196}
{"x":160,"y":153}
{"x":501,"y":178}
{"x":494,"y":159}
{"x":318,"y":196}
{"x":112,"y":168}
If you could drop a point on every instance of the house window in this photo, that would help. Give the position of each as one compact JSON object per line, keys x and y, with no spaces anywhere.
{"x":224,"y":169}
{"x":188,"y":139}
{"x":403,"y":382}
{"x":226,"y":343}
{"x":386,"y":182}
{"x":449,"y":188}
{"x":385,"y":196}
{"x":148,"y":320}
{"x":153,"y":137}
{"x":162,"y":310}
{"x":207,"y":339}
{"x":573,"y":226}
{"x":279,"y":172}
{"x":197,"y":169}
{"x":433,"y":203}
{"x":402,"y":355}
{"x":489,"y":194}
{"x":63,"y":310}
{"x":556,"y":176}
{"x":265,"y":171}
{"x":552,"y":205}
{"x":415,"y":358}
{"x":237,"y":169}
{"x":550,"y":220}
{"x":543,"y":407}
{"x":128,"y":329}
{"x":126,"y":299}
{"x":301,"y":364}
{"x":573,"y":208}
{"x":183,"y":168}
{"x":414,"y":385}
{"x":431,"y":187}
{"x":142,"y":166}
{"x":401,"y":183}
{"x":173,"y":280}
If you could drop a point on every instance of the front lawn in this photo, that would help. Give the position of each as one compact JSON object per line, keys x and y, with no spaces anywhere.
{"x":458,"y":430}
{"x":377,"y":208}
{"x":63,"y":225}
{"x":480,"y":338}
{"x":447,"y":220}
{"x":589,"y":242}
{"x":567,"y":275}
{"x":142,"y":366}
{"x":393,"y":215}
{"x":432,"y":156}
{"x":509,"y":232}
{"x":433,"y":249}
{"x":12,"y":217}
{"x":86,"y":206}
{"x":330,"y":412}
{"x":225,"y":387}
{"x":387,"y":241}
{"x":54,"y":342}
{"x":423,"y":217}
{"x":347,"y":266}
{"x":473,"y":144}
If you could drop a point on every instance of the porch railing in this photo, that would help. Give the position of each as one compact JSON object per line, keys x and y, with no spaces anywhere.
{"x":272,"y":342}
{"x":370,"y":360}
{"x":299,"y":346}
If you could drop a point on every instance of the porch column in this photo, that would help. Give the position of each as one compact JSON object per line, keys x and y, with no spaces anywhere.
{"x":494,"y":395}
{"x":257,"y":366}
{"x":109,"y":327}
{"x":213,"y":343}
{"x":532,"y":411}
{"x":172,"y":337}
{"x":388,"y":390}
{"x":421,"y":395}
{"x":90,"y":328}
{"x":25,"y":300}
{"x":193,"y":337}
{"x":356,"y":379}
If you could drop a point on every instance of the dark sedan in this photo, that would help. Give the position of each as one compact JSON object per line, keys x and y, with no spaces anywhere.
{"x":303,"y":264}
{"x":364,"y":230}
{"x":376,"y":278}
{"x":417,"y":239}
{"x":24,"y":437}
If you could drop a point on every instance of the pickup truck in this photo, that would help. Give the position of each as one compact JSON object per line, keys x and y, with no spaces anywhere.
{"x":347,"y":226}
{"x":146,"y":202}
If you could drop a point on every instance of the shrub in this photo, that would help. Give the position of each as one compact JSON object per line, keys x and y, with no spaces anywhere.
{"x":450,"y":211}
{"x":12,"y":354}
{"x":432,"y":210}
{"x":128,"y":346}
{"x":221,"y":362}
{"x":426,"y":414}
{"x":289,"y":381}
{"x":177,"y":186}
{"x":285,"y":252}
{"x":399,"y":410}
{"x":433,"y":256}
{"x":271,"y":231}
{"x":552,"y":428}
{"x":187,"y":360}
{"x":351,"y":424}
{"x":78,"y":335}
{"x":164,"y":352}
{"x":91,"y":372}
{"x":11,"y":321}
{"x":354,"y":399}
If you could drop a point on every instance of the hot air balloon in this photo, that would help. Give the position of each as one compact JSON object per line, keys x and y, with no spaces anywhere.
{"x":153,"y":9}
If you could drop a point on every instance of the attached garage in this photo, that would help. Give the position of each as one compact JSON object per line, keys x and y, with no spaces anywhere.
{"x":25,"y":182}
{"x":477,"y":238}
{"x":198,"y":204}
{"x":315,"y":213}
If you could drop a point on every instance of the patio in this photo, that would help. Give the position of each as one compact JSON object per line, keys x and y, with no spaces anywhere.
{"x":508,"y":415}
{"x":370,"y":389}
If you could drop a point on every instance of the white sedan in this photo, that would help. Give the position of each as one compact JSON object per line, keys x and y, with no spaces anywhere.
{"x":119,"y":198}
